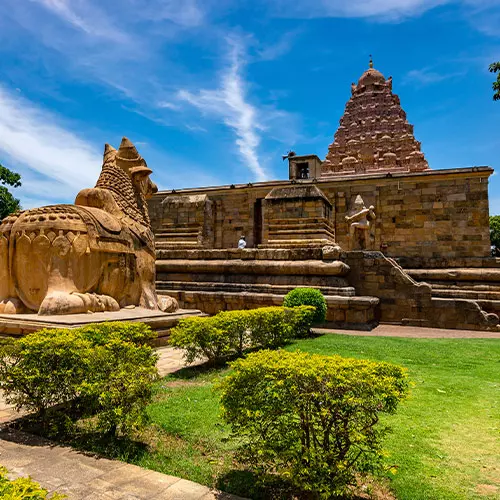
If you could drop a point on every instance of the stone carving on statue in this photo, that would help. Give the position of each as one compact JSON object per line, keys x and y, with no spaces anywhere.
{"x":96,"y":255}
{"x":360,"y":225}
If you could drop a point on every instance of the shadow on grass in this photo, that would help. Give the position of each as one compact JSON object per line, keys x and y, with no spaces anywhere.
{"x":248,"y":484}
{"x":54,"y":431}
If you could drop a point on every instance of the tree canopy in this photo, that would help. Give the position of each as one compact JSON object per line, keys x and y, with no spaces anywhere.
{"x":8,"y":204}
{"x":495,"y":230}
{"x":495,"y":68}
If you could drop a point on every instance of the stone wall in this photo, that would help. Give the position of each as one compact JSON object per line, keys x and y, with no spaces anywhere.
{"x":406,"y":301}
{"x":437,"y":214}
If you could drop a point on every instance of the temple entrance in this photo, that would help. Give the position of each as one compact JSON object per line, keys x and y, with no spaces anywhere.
{"x":257,"y":222}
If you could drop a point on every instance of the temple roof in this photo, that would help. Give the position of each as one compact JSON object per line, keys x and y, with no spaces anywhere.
{"x":374,"y":134}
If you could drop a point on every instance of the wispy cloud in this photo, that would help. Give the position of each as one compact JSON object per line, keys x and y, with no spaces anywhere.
{"x":230,"y":104}
{"x":86,"y":17}
{"x":392,"y":10}
{"x":55,"y":161}
{"x":428,"y":76}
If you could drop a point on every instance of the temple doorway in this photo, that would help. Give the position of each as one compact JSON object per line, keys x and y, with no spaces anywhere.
{"x":257,"y":222}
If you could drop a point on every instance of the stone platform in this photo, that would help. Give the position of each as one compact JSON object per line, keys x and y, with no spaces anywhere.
{"x":22,"y":324}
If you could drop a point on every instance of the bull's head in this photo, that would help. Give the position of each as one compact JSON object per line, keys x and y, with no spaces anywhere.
{"x":129,"y":159}
{"x":142,"y":182}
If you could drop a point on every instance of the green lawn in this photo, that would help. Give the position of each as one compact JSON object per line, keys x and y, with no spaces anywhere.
{"x":445,"y":442}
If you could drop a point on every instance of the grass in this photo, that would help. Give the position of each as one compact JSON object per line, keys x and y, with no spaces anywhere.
{"x":445,"y":443}
{"x":446,"y":436}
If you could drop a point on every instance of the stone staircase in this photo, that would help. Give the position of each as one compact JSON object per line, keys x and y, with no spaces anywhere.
{"x":481,"y":285}
{"x":215,"y":280}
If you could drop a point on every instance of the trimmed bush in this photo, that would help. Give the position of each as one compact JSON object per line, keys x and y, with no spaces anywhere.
{"x":230,"y":333}
{"x":307,"y":297}
{"x":23,"y":488}
{"x":103,"y":370}
{"x":311,"y":419}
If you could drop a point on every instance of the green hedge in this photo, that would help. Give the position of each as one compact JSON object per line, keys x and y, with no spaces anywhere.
{"x":229,"y":333}
{"x":23,"y":488}
{"x":311,"y":419}
{"x":105,"y":371}
{"x":307,"y":297}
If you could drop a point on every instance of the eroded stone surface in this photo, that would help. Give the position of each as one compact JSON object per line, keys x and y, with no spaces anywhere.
{"x":96,"y":255}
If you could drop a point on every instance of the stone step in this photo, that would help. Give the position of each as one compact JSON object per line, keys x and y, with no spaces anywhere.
{"x":465,"y":293}
{"x":249,"y":287}
{"x":479,"y":275}
{"x":342,"y":312}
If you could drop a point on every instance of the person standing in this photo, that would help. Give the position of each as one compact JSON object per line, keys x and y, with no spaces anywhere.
{"x":242,"y":243}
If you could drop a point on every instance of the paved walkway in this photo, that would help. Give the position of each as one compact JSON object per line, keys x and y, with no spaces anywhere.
{"x":86,"y":477}
{"x":415,"y":332}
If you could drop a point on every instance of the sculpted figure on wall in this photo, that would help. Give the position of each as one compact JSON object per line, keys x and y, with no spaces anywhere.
{"x":360,"y":223}
{"x":96,"y":255}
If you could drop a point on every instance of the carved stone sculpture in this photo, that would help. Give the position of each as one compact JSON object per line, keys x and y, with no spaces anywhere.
{"x":359,"y":230}
{"x":95,"y":255}
{"x":374,"y":135}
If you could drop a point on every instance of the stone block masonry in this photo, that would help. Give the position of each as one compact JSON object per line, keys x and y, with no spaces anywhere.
{"x":421,"y":216}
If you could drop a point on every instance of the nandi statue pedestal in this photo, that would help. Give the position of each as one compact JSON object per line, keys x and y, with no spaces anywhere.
{"x":96,"y":256}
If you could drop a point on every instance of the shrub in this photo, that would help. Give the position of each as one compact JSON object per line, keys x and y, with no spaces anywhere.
{"x":307,"y":297}
{"x":229,"y":333}
{"x":269,"y":327}
{"x":311,"y":419}
{"x":103,"y":370}
{"x":23,"y":488}
{"x":302,"y":320}
{"x":199,"y":337}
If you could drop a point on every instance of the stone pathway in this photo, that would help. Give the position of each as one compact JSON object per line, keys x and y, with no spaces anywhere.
{"x":86,"y":477}
{"x":415,"y":332}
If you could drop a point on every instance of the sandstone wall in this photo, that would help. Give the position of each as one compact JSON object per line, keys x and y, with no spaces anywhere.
{"x":427,"y":216}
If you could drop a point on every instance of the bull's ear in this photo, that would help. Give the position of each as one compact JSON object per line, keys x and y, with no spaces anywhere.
{"x":138,"y":173}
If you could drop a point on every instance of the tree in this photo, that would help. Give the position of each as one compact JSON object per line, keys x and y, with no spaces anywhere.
{"x":495,"y":68}
{"x":495,"y":230}
{"x":8,"y":204}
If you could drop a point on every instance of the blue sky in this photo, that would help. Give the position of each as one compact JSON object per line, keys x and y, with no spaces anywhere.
{"x":215,"y":91}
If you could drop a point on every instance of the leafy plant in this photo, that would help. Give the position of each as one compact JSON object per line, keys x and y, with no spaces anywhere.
{"x":23,"y":488}
{"x":8,"y":204}
{"x":495,"y":230}
{"x":307,"y":297}
{"x":495,"y":68}
{"x":101,"y":372}
{"x":311,"y":419}
{"x":230,"y":333}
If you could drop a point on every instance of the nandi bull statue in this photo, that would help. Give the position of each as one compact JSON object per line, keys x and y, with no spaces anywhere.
{"x":95,"y":255}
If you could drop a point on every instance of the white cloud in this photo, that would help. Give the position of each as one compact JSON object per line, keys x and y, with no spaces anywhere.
{"x":33,"y":141}
{"x":387,"y":9}
{"x":229,"y":103}
{"x":428,"y":76}
{"x":86,"y":17}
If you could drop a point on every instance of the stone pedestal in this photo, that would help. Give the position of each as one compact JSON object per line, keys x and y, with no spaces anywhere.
{"x":23,"y":324}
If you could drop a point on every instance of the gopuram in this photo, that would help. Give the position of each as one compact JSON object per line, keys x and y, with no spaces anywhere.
{"x":385,"y":237}
{"x":96,"y":256}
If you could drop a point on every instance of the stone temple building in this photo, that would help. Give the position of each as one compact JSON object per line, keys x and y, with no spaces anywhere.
{"x":367,"y":225}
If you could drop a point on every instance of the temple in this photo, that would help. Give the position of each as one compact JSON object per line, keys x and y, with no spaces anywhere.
{"x":366,"y":225}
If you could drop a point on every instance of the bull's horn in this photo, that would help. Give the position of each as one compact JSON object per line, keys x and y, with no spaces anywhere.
{"x":127,"y":150}
{"x":109,"y":152}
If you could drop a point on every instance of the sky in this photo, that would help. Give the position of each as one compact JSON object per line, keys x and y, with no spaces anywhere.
{"x":215,"y":91}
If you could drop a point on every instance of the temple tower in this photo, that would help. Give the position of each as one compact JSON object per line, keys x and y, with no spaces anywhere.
{"x":374,"y":134}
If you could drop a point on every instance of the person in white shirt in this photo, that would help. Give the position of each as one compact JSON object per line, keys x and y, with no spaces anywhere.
{"x":242,"y":243}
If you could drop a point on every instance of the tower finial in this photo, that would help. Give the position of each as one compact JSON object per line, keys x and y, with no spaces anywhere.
{"x":371,"y":62}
